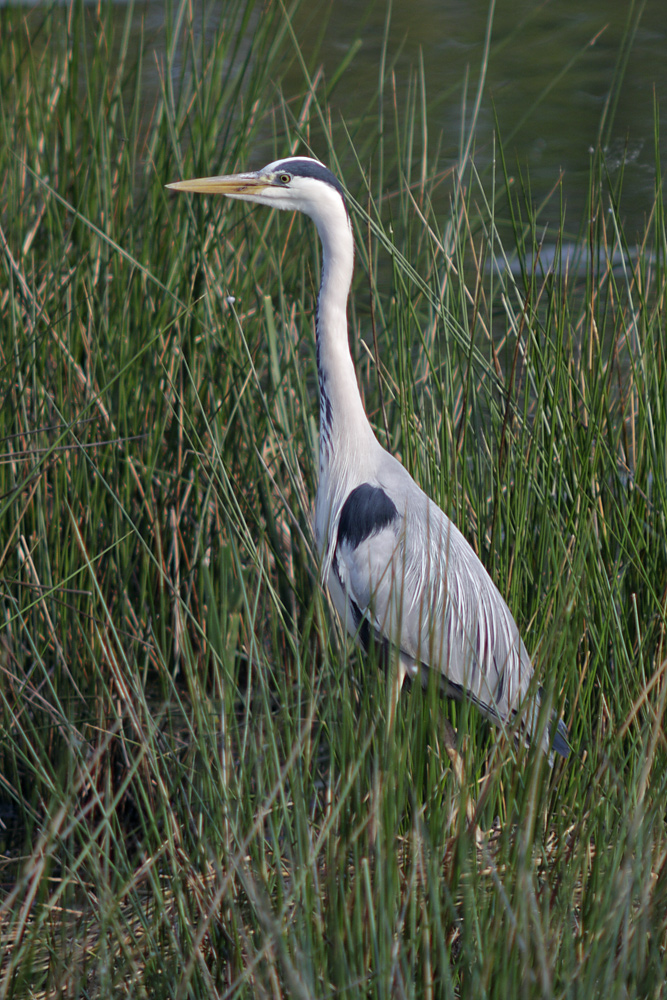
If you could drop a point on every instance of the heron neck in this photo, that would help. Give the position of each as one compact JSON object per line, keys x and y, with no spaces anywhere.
{"x":342,"y":416}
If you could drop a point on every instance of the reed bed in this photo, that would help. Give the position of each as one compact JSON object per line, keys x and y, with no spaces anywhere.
{"x":199,"y":795}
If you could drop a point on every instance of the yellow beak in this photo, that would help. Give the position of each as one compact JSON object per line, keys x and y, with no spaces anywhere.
{"x":232,"y":184}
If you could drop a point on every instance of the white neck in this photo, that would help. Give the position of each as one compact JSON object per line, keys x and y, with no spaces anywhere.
{"x":344,"y":426}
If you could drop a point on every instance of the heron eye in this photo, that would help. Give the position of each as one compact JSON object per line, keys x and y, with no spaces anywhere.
{"x":285,"y":178}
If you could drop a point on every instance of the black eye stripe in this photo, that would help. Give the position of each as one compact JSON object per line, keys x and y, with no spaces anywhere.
{"x":300,"y":166}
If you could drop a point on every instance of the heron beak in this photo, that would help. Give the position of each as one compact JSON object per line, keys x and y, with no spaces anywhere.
{"x":232,"y":184}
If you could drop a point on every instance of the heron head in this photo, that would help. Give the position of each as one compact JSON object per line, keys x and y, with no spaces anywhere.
{"x":297,"y":184}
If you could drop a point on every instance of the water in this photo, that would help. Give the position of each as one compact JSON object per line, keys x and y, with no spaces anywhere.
{"x":550,"y":74}
{"x":548,"y":124}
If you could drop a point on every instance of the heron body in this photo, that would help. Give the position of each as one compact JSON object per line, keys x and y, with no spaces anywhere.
{"x":399,"y":572}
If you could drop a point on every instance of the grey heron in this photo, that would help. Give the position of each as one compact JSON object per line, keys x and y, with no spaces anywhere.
{"x":398,"y":570}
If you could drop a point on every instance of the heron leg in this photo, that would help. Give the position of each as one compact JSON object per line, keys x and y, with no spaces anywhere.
{"x":455,"y":759}
{"x":395,"y":693}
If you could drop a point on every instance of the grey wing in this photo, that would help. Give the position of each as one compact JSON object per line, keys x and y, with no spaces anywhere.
{"x":419,"y":584}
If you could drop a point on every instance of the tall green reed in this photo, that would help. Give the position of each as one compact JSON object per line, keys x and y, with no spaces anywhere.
{"x":201,"y":794}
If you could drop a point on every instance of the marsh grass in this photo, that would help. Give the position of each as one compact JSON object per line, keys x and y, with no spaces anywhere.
{"x":199,"y":793}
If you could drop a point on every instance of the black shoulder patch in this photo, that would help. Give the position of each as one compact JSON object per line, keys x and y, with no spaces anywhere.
{"x":366,"y":511}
